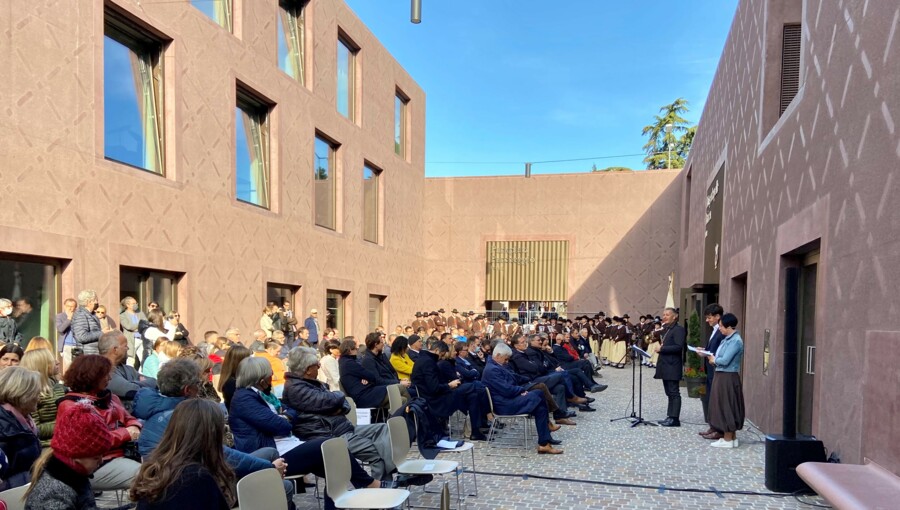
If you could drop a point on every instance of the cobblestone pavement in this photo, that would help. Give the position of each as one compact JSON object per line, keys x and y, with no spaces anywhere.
{"x":606,"y":456}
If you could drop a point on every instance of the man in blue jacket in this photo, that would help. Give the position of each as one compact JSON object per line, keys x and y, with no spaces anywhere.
{"x":179,"y":380}
{"x":312,"y":325}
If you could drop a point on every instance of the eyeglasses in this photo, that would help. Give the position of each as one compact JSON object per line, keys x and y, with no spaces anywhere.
{"x":176,"y":315}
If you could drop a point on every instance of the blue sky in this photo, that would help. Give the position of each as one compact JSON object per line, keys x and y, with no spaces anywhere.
{"x":514,"y":81}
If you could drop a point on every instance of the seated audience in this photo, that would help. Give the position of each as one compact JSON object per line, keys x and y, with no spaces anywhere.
{"x":150,"y":366}
{"x":61,"y":476}
{"x":510,"y":397}
{"x":555,"y":381}
{"x":87,"y":379}
{"x":358,"y":382}
{"x":125,"y":381}
{"x":321,"y":413}
{"x":445,"y":398}
{"x":270,"y":354}
{"x":10,"y":355}
{"x":568,"y":358}
{"x":330,"y":372}
{"x":415,"y":346}
{"x":400,"y":360}
{"x":228,"y":377}
{"x":20,"y":392}
{"x":467,"y":372}
{"x":376,"y":361}
{"x":46,"y":363}
{"x":187,"y":470}
{"x":178,"y":381}
{"x":256,"y":422}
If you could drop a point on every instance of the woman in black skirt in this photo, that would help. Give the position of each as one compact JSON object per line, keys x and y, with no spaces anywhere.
{"x":726,"y":401}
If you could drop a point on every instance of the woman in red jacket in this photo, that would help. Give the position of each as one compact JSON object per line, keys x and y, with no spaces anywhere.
{"x":87,"y":378}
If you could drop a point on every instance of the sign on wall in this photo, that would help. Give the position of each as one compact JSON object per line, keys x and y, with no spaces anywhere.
{"x":713,"y":229}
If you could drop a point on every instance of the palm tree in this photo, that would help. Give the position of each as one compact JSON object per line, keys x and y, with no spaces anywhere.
{"x":660,"y":141}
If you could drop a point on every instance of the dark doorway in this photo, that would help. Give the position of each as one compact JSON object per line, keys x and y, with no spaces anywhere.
{"x":807,"y":336}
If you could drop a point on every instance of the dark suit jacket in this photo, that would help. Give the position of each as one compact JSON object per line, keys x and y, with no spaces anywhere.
{"x":426,"y":375}
{"x":523,"y":366}
{"x":713,"y":344}
{"x":671,"y":352}
{"x":352,"y":374}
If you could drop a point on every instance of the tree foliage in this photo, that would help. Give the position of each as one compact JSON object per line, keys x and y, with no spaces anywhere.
{"x":659,"y":142}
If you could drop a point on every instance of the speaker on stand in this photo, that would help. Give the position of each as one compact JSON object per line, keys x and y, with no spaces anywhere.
{"x":788,"y":450}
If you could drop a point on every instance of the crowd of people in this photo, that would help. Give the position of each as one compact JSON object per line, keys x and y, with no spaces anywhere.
{"x":142,"y":407}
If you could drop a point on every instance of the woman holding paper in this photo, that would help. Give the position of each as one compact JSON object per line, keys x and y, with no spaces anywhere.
{"x":726,"y":402}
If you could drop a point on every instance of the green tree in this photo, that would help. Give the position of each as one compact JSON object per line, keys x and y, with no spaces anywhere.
{"x":678,"y":140}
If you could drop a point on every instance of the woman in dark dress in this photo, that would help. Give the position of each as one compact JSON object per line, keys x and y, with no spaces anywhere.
{"x":187,"y":470}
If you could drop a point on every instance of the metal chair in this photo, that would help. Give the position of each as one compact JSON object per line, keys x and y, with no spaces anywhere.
{"x":337,"y":477}
{"x":511,"y":418}
{"x":400,"y":449}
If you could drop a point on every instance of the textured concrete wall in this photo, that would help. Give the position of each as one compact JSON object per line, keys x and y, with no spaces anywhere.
{"x":826,"y":172}
{"x":62,"y":199}
{"x":621,"y":228}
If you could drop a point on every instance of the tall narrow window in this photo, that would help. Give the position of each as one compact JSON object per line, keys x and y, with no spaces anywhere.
{"x":325,"y":183}
{"x":376,"y":311}
{"x":146,"y":285}
{"x":220,"y":11}
{"x":346,"y":78}
{"x":292,"y":38}
{"x":371,"y":202}
{"x":132,"y":95}
{"x":252,"y":161}
{"x":31,"y":284}
{"x":401,"y":105}
{"x":790,"y":65}
{"x":334,"y":307}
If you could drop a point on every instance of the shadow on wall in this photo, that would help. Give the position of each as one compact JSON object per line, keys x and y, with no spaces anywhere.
{"x":634,"y":277}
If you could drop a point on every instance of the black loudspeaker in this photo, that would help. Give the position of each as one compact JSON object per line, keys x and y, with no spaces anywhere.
{"x":784,"y":454}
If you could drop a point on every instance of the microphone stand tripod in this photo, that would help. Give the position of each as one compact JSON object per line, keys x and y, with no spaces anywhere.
{"x":639,"y":353}
{"x":636,"y":418}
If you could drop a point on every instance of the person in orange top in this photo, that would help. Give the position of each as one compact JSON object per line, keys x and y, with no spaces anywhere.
{"x":273,"y":348}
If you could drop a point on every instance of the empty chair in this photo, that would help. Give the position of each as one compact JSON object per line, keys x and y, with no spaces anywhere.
{"x":395,"y":400}
{"x":337,"y":477}
{"x":262,"y":489}
{"x":14,"y":497}
{"x":400,"y":448}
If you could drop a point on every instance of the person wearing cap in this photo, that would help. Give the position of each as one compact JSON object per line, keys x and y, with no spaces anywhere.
{"x":415,"y":347}
{"x":618,"y":348}
{"x":419,"y":322}
{"x":453,"y":320}
{"x":655,"y":341}
{"x":441,"y":320}
{"x":312,"y":325}
{"x":61,"y":476}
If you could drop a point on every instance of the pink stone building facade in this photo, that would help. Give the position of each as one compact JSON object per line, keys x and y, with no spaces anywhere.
{"x":812,"y":188}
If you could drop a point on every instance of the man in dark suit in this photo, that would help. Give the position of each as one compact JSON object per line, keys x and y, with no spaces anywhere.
{"x":669,"y":367}
{"x":446,"y":398}
{"x":713,"y":313}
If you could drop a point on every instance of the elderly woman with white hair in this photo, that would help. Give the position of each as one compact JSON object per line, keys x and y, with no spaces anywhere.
{"x":509,"y":397}
{"x":257,"y":421}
